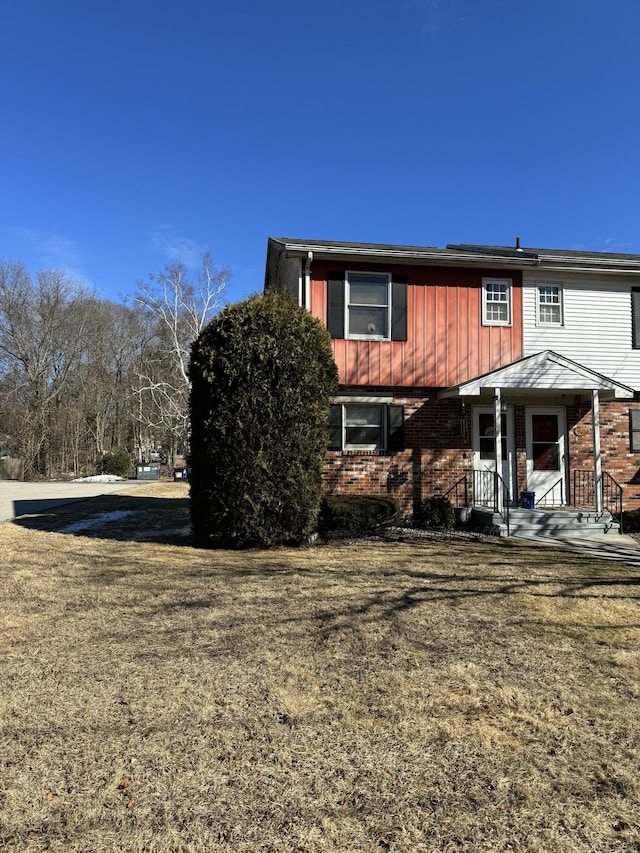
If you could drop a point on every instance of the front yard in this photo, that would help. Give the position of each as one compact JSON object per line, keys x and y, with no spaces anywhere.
{"x":442,"y":696}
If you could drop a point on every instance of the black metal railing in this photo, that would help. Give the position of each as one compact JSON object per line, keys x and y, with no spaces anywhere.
{"x":487,"y":488}
{"x":612,"y":497}
{"x":584,"y":493}
{"x":553,"y":496}
{"x":488,"y":485}
{"x":458,"y":494}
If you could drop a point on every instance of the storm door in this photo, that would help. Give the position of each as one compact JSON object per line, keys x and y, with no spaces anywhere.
{"x":484,"y":453}
{"x":546,"y":453}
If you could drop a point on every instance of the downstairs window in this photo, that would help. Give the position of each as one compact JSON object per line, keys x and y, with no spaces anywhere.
{"x":366,"y":426}
{"x":634,"y":430}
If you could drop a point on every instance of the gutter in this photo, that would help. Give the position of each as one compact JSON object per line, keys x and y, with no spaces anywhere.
{"x":553,"y":266}
{"x":443,"y":257}
{"x":435,"y":257}
{"x":482,"y":262}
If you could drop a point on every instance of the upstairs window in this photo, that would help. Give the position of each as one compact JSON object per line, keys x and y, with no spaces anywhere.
{"x":635,"y":317}
{"x":367,"y":306}
{"x":496,"y":301}
{"x":549,"y":305}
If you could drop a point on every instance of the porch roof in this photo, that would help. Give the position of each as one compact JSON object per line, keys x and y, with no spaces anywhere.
{"x":543,"y":372}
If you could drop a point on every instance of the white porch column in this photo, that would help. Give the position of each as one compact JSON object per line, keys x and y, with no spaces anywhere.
{"x":497,"y":418}
{"x":597,"y":458}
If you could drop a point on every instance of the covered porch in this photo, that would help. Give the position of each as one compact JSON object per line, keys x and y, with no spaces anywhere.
{"x":536,"y":439}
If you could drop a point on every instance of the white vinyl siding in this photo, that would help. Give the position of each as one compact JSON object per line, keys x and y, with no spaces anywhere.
{"x":596,"y":330}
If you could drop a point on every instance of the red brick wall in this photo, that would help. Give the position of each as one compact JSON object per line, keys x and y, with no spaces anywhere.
{"x":438,"y":442}
{"x":617,"y":459}
{"x":371,"y":473}
{"x":438,"y":451}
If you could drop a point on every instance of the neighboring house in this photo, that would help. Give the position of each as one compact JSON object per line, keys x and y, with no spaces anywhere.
{"x":489,"y":369}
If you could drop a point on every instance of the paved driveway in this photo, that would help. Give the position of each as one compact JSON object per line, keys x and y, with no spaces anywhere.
{"x":18,"y":498}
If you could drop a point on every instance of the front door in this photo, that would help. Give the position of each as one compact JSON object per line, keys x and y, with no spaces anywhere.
{"x":546,"y":452}
{"x":484,"y":453}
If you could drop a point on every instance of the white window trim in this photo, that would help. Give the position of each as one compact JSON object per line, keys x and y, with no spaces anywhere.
{"x":382,"y":399}
{"x":558,"y":284}
{"x":347,"y":293}
{"x":361,"y":401}
{"x":485,"y":320}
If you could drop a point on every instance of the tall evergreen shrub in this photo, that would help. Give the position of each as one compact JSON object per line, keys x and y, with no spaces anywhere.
{"x":262,"y":373}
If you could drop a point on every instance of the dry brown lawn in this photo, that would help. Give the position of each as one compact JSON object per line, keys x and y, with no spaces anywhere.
{"x":434,"y":696}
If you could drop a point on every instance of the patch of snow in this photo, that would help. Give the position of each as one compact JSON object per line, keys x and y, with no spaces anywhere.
{"x":100,"y":478}
{"x":96,"y":521}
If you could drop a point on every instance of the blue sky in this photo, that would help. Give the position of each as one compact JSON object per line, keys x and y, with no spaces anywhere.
{"x":139,"y":132}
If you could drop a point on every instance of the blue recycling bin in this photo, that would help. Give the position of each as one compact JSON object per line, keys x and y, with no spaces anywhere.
{"x":528,"y":500}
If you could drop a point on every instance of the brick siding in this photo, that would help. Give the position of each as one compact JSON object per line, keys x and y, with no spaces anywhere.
{"x":438,"y":451}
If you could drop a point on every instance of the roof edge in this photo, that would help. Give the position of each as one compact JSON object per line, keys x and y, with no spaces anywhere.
{"x":462,"y":254}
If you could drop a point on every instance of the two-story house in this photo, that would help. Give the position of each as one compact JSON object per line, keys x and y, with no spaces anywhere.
{"x":498,"y":370}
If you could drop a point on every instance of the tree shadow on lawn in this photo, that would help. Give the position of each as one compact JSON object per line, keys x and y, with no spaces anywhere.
{"x":124,"y":518}
{"x":504,"y":567}
{"x":457,"y":590}
{"x":327,"y":603}
{"x":367,"y":593}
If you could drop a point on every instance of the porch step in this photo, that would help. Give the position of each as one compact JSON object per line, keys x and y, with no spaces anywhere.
{"x":545,"y":522}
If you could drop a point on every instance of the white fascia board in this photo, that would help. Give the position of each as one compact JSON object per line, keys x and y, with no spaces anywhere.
{"x":631,"y":268}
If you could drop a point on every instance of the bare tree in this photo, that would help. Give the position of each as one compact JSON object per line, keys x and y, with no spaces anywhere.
{"x":80,"y":376}
{"x":43,"y":327}
{"x":177,"y":311}
{"x":103,"y":384}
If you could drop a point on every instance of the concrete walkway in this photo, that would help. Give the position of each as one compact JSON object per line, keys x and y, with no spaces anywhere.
{"x":17,"y":498}
{"x":617,"y":547}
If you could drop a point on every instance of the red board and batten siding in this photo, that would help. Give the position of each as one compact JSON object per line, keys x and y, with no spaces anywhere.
{"x":447,"y":342}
